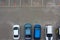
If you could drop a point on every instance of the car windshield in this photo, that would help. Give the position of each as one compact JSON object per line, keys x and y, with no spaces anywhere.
{"x":15,"y":35}
{"x":49,"y":35}
{"x":16,"y":28}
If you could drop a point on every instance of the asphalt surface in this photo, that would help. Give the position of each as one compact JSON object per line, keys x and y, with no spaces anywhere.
{"x":42,"y":15}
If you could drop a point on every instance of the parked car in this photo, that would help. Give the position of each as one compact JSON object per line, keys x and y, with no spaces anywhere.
{"x":37,"y":32}
{"x":49,"y":32}
{"x":58,"y":33}
{"x":16,"y":32}
{"x":28,"y":31}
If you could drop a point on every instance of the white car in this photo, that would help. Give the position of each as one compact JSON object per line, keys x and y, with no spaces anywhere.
{"x":49,"y":32}
{"x":16,"y":32}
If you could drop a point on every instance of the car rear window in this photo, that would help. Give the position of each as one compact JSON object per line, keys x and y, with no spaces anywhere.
{"x":15,"y":35}
{"x":49,"y":35}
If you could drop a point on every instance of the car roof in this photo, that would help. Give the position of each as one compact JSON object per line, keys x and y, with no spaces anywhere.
{"x":49,"y":29}
{"x":15,"y":32}
{"x":27,"y":31}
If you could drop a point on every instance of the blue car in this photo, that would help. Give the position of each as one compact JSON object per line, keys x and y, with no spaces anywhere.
{"x":37,"y":32}
{"x":28,"y":31}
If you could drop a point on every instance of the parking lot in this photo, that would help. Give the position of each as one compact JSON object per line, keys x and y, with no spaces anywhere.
{"x":46,"y":13}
